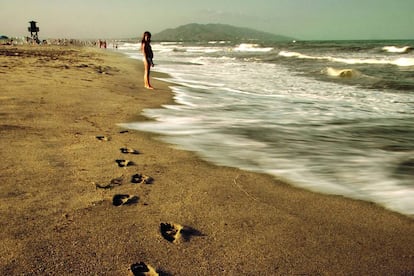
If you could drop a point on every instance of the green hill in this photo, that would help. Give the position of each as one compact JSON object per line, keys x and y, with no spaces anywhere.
{"x":215,"y":32}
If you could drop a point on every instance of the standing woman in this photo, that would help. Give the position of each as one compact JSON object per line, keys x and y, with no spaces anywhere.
{"x":148,"y":56}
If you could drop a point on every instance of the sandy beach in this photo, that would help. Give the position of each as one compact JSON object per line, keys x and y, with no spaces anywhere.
{"x":70,"y":204}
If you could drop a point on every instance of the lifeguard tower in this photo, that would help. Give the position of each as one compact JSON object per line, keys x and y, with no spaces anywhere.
{"x":33,"y":29}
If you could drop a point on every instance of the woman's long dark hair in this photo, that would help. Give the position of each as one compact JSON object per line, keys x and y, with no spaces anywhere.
{"x":143,"y":36}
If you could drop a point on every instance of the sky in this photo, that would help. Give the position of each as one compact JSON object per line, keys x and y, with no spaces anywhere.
{"x":300,"y":19}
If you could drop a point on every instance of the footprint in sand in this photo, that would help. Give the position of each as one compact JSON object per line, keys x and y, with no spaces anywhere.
{"x":141,"y":179}
{"x":121,"y":199}
{"x":177,"y":233}
{"x":129,"y":150}
{"x":103,"y":138}
{"x":114,"y":183}
{"x":124,"y":163}
{"x":142,"y":269}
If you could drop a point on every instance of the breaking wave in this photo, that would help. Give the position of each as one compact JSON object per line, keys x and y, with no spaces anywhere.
{"x":246,"y":47}
{"x":398,"y":62}
{"x":399,"y":50}
{"x":341,"y":73}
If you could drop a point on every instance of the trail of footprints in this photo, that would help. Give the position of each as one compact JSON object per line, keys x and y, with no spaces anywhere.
{"x":124,"y":199}
{"x":172,"y":232}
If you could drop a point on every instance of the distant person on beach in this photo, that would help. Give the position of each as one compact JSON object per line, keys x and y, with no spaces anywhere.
{"x":146,"y":51}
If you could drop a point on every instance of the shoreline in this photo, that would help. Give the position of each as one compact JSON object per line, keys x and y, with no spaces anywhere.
{"x":58,"y":100}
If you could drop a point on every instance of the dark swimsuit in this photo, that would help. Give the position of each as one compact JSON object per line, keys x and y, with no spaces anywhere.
{"x":148,"y":51}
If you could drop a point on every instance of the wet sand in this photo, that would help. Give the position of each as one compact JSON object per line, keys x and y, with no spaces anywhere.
{"x":70,"y":206}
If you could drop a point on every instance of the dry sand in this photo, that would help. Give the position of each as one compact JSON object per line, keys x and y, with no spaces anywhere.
{"x":55,"y":220}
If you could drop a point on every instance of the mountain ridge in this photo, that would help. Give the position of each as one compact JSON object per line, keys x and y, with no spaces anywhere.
{"x":215,"y":32}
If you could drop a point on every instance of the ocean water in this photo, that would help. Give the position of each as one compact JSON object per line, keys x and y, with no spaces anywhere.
{"x":334,"y":117}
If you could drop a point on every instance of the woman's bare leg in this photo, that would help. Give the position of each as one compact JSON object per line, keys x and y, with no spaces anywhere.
{"x":147,"y":68}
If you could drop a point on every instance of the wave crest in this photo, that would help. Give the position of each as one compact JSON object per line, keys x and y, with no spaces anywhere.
{"x":398,"y":62}
{"x":399,"y":50}
{"x":341,"y":73}
{"x":247,"y":47}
